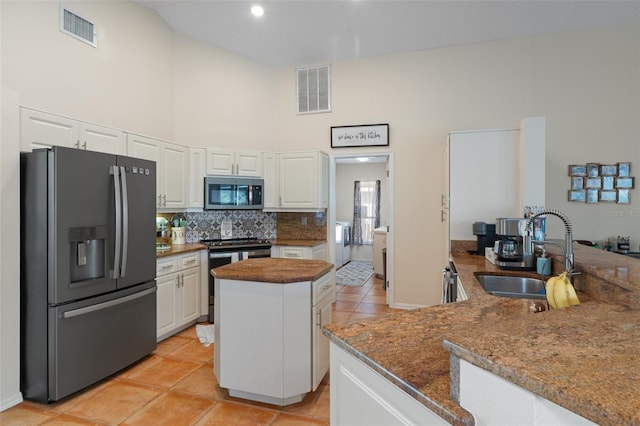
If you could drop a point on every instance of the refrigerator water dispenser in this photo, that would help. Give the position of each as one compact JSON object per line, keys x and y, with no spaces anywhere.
{"x":87,"y":253}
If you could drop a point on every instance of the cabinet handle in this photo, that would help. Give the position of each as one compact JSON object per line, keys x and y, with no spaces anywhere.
{"x":84,"y":146}
{"x":165,"y":267}
{"x":77,"y":144}
{"x":178,"y":281}
{"x":319,"y":318}
{"x":189,"y":262}
{"x":164,"y":202}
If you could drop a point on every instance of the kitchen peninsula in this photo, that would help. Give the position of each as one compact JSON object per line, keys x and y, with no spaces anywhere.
{"x":268,"y":318}
{"x":580,"y":362}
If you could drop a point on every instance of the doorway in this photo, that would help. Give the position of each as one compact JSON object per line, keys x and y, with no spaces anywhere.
{"x":344,"y":170}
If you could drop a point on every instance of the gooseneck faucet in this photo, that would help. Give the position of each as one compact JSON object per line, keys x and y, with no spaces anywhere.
{"x":568,"y":238}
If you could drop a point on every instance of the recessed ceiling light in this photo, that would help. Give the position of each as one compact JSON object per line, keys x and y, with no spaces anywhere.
{"x":257,"y":10}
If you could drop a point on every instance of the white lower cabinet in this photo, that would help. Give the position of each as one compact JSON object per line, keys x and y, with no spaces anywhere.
{"x":494,"y":400}
{"x":178,"y":295}
{"x":361,"y":396}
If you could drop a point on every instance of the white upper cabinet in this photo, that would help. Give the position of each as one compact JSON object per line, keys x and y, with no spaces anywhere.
{"x":234,"y":162}
{"x":101,"y":139}
{"x":42,"y":130}
{"x":171,"y":168}
{"x":197,"y":170}
{"x":303,"y":180}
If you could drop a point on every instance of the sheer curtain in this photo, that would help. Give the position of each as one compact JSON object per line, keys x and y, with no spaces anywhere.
{"x":366,"y":211}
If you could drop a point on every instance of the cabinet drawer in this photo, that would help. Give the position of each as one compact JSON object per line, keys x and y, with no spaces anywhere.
{"x":189,"y":260}
{"x":293,"y":252}
{"x":166,"y":266}
{"x":322,"y":287}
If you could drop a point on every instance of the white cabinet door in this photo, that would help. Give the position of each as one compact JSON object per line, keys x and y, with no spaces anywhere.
{"x":220,"y":161}
{"x":197,"y":166}
{"x":189,"y":295}
{"x":322,"y":317}
{"x":303,"y":180}
{"x":248,"y":163}
{"x":166,"y":316}
{"x":171,"y":168}
{"x":270,"y":176}
{"x":148,"y":149}
{"x":231,"y":162}
{"x":42,"y":130}
{"x":101,"y":139}
{"x":174,"y":176}
{"x":379,"y":242}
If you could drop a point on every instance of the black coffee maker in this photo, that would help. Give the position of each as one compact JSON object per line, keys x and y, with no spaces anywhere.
{"x":485,"y":234}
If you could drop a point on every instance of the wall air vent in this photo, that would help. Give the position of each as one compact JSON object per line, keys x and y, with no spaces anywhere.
{"x":77,"y":27}
{"x":314,"y":89}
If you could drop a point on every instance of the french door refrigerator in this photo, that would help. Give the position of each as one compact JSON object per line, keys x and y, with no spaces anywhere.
{"x":88,"y":302}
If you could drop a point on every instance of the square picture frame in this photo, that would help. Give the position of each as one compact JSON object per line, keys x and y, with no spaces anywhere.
{"x":577,"y":182}
{"x":579,"y":195}
{"x":624,"y":169}
{"x":593,"y":196}
{"x":577,"y":170}
{"x":609,"y":169}
{"x":608,"y":183}
{"x":593,"y":169}
{"x":625,"y":182}
{"x":593,"y":183}
{"x":608,"y":196}
{"x":623,"y":196}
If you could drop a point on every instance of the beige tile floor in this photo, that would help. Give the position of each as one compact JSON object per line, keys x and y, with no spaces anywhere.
{"x":175,"y":385}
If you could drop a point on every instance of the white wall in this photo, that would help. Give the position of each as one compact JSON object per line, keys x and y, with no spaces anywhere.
{"x":346,"y":174}
{"x":585,"y":83}
{"x":222,"y":99}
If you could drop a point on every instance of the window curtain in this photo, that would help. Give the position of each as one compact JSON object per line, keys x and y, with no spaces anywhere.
{"x":356,"y":231}
{"x":366,"y":211}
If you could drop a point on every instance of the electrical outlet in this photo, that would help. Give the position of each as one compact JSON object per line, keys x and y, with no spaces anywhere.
{"x":304,"y":220}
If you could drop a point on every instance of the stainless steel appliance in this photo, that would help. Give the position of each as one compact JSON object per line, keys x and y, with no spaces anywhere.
{"x":510,"y":233}
{"x":88,"y":302}
{"x":233,"y":193}
{"x":343,"y":243}
{"x":449,"y":284}
{"x":223,"y":252}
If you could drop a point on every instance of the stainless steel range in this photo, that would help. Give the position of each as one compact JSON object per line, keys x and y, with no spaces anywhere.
{"x":223,"y":252}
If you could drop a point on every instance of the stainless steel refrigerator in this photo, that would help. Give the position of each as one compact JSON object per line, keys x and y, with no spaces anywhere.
{"x":88,"y":302}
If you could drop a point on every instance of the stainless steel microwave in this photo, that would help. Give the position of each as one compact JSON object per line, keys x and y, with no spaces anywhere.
{"x":233,"y":193}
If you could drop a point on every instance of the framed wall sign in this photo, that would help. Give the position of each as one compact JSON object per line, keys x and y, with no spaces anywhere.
{"x":362,"y":135}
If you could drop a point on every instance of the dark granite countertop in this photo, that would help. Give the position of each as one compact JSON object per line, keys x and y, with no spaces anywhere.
{"x":273,"y":270}
{"x":498,"y":334}
{"x":180,"y":249}
{"x":297,"y":243}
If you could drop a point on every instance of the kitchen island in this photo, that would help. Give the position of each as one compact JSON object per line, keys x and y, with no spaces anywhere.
{"x":583,"y":358}
{"x":268,"y":318}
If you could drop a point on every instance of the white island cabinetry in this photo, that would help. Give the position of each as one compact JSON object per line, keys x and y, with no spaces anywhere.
{"x":318,"y":251}
{"x":269,"y":342}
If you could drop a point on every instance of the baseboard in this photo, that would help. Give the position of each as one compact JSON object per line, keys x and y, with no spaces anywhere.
{"x":14,"y":400}
{"x":406,"y":306}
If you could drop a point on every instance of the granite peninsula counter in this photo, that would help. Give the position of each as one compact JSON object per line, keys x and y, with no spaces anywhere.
{"x":584,"y":358}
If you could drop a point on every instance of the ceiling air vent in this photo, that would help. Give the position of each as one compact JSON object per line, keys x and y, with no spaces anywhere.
{"x":314,"y":89}
{"x":77,"y":27}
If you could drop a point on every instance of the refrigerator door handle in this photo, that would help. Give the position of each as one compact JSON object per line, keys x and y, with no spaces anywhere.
{"x":115,"y":170}
{"x":105,"y":305}
{"x":125,"y":220}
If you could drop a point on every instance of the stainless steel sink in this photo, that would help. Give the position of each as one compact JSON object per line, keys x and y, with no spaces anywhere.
{"x":510,"y":286}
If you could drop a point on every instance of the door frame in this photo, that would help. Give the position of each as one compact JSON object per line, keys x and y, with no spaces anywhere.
{"x":331,"y":217}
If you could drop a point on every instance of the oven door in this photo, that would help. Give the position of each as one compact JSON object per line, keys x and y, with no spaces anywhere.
{"x":216,"y":259}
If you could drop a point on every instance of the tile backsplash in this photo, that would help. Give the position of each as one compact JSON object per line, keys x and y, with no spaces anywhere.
{"x":246,"y":224}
